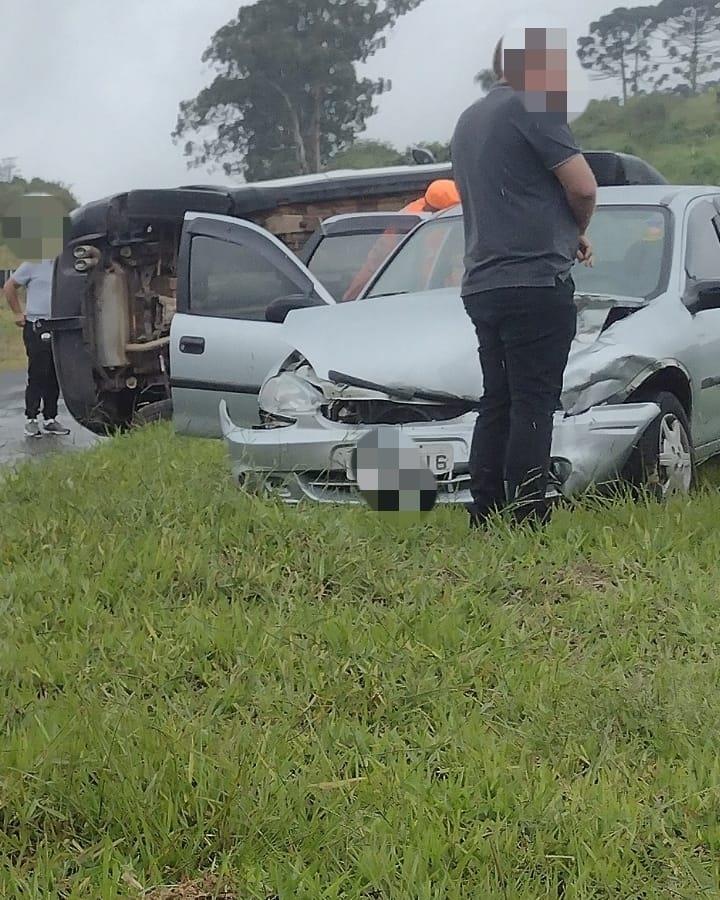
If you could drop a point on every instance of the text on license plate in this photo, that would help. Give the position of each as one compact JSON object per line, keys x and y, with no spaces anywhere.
{"x":439,"y":458}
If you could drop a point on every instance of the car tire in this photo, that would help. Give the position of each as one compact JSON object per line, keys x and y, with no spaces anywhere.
{"x":663,"y":463}
{"x":160,"y":411}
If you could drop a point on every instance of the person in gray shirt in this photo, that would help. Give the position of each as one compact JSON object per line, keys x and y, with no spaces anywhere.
{"x":528,"y":196}
{"x":42,"y":385}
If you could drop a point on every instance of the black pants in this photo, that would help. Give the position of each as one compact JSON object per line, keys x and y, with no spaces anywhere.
{"x":42,"y":386}
{"x":524,"y":336}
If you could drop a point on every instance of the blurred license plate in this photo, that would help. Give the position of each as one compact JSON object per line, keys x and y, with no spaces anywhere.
{"x":439,"y":458}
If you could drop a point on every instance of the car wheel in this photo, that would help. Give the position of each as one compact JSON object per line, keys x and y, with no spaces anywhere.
{"x":663,"y":463}
{"x":161,"y":411}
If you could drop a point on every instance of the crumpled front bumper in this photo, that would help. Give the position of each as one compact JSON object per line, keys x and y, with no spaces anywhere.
{"x":311,"y":459}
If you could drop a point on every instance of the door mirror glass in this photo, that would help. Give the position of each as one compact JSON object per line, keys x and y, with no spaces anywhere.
{"x":278,"y":310}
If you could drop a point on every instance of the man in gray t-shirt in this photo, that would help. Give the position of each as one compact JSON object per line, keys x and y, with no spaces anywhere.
{"x":42,"y":385}
{"x":528,"y":196}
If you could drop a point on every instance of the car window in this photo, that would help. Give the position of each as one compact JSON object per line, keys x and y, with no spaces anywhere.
{"x":339,"y":258}
{"x":631,"y":245}
{"x":233,"y":281}
{"x":432,"y":258}
{"x":702,"y":260}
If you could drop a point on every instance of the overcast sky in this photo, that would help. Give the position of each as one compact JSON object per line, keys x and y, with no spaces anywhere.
{"x":91,"y":89}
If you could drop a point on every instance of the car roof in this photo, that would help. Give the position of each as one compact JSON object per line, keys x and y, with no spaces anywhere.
{"x":631,"y":195}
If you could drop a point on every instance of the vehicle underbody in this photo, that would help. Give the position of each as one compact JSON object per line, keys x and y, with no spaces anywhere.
{"x":127,"y":311}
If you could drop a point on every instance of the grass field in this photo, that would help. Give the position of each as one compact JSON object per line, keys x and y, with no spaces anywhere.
{"x":203,"y":687}
{"x":681,"y":137}
{"x":12,"y":352}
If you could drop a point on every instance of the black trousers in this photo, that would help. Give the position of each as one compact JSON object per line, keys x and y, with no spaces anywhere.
{"x":524,"y":337}
{"x":42,"y":387}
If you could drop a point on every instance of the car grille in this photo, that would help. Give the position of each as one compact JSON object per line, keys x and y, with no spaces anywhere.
{"x":336,"y":487}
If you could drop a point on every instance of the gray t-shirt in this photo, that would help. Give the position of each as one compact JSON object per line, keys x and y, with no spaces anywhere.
{"x":36,"y":278}
{"x":519,"y":229}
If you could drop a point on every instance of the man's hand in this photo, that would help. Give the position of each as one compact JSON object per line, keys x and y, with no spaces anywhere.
{"x":20,"y":320}
{"x":585,"y":252}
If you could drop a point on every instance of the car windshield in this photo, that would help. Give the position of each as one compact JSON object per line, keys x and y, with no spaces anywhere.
{"x":630,"y":243}
{"x":339,"y":258}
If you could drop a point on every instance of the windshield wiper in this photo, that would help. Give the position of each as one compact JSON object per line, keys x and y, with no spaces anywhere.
{"x":389,"y":294}
{"x":401,"y":393}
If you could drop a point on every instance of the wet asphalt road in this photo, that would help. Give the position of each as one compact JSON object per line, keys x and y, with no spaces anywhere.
{"x":14,"y":446}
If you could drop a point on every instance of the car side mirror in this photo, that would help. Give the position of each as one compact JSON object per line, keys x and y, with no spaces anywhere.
{"x":707,"y":297}
{"x":422,"y":156}
{"x":278,"y":310}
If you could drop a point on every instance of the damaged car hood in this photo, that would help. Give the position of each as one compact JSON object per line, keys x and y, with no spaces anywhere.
{"x":421,"y":340}
{"x":426,"y":341}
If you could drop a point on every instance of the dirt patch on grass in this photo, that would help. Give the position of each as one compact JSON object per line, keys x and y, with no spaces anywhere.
{"x":579,"y":578}
{"x":205,"y":889}
{"x":587,"y":576}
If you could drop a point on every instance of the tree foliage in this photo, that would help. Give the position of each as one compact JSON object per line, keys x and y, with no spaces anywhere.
{"x":371,"y":154}
{"x":619,"y":46}
{"x":287,"y":95}
{"x":367,"y":155}
{"x":627,"y":44}
{"x":690,"y":34}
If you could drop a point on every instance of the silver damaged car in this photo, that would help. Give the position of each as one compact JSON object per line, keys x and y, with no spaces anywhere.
{"x":641,"y":396}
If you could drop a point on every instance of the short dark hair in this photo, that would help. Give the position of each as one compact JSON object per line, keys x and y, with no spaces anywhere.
{"x":498,"y":60}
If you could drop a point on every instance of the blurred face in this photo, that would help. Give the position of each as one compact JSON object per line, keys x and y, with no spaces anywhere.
{"x":33,"y":227}
{"x":535,"y":64}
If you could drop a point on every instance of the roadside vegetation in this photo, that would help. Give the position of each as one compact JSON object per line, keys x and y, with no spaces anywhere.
{"x":12,"y":352}
{"x":205,"y":688}
{"x":679,"y":136}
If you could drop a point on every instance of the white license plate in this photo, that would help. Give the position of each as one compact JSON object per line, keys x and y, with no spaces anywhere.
{"x":439,"y":458}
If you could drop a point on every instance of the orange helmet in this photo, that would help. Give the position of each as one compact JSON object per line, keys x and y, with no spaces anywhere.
{"x":442,"y":194}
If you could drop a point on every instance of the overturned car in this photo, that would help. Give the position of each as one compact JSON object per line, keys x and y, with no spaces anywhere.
{"x":641,"y":396}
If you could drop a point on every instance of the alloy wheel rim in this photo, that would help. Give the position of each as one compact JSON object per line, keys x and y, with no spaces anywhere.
{"x":674,"y":457}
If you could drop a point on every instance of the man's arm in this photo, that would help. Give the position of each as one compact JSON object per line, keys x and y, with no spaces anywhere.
{"x":13,"y":299}
{"x":578,"y":182}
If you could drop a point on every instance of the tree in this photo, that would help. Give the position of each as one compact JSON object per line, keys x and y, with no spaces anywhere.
{"x":619,"y":46}
{"x":367,"y":155}
{"x":690,"y":33}
{"x":287,"y":95}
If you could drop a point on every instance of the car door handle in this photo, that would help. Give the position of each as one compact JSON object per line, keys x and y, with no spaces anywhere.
{"x":193,"y":345}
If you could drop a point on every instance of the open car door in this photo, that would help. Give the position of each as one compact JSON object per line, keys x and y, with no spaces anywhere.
{"x":221,"y":345}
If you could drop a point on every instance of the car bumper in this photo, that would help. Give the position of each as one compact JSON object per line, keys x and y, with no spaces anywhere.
{"x":311,"y":459}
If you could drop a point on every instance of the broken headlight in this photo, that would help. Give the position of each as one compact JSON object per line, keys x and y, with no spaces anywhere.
{"x":287,"y":394}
